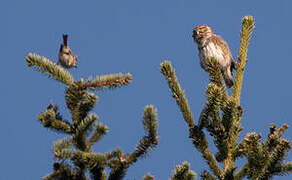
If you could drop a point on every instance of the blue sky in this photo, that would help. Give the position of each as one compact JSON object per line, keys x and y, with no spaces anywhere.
{"x":135,"y":36}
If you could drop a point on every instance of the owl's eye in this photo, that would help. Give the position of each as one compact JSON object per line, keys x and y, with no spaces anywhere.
{"x":203,"y":29}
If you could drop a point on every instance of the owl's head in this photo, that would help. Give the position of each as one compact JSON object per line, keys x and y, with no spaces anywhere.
{"x":201,"y":32}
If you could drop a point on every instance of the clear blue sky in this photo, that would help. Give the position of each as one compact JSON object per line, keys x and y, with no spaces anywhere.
{"x":135,"y":36}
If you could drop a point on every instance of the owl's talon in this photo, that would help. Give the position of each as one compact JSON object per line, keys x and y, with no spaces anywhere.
{"x":234,"y":65}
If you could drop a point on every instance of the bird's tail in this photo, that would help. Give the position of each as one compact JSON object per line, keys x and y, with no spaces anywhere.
{"x":227,"y":76}
{"x":65,"y":39}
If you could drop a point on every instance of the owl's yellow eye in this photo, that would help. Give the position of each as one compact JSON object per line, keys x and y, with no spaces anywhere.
{"x":202,"y":29}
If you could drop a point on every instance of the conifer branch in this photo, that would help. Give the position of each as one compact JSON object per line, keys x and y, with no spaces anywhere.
{"x":150,"y":123}
{"x":98,"y":173}
{"x":177,"y":92}
{"x":119,"y":172}
{"x":254,"y":152}
{"x":284,"y":169}
{"x":231,"y":120}
{"x":86,"y":105}
{"x":120,"y":165}
{"x":210,"y":118}
{"x":210,"y":159}
{"x":65,"y":153}
{"x":201,"y":143}
{"x":242,"y":172}
{"x":50,"y":68}
{"x":99,"y":132}
{"x":86,"y":124}
{"x":183,"y":172}
{"x":60,"y":172}
{"x":215,"y":75}
{"x":199,"y":139}
{"x":274,"y":137}
{"x":50,"y":119}
{"x":247,"y":27}
{"x":205,"y":175}
{"x":90,"y":159}
{"x":80,"y":131}
{"x":274,"y":161}
{"x":77,"y":148}
{"x":211,"y":112}
{"x":282,"y":129}
{"x":75,"y":94}
{"x":108,"y":81}
{"x":117,"y":153}
{"x":148,"y":177}
{"x":64,"y":143}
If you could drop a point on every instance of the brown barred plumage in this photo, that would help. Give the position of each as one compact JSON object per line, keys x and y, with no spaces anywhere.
{"x":212,"y":45}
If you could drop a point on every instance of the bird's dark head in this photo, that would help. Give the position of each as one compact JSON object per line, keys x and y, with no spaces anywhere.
{"x":202,"y":31}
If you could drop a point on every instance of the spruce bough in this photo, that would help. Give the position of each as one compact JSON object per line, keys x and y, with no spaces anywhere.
{"x":73,"y":153}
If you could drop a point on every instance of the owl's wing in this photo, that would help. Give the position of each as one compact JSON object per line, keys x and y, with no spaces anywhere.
{"x":224,"y":46}
{"x":70,"y":52}
{"x":229,"y":55}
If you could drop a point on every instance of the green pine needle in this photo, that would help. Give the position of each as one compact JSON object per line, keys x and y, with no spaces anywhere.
{"x":111,"y":81}
{"x":49,"y":120}
{"x":177,"y":92}
{"x":148,"y":177}
{"x":99,"y":132}
{"x":50,"y":68}
{"x":247,"y":27}
{"x":183,"y":172}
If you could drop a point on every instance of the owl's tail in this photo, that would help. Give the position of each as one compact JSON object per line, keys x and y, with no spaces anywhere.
{"x":227,"y":75}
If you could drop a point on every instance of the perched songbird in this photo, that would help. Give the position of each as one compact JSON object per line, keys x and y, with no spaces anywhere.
{"x":66,"y":57}
{"x":211,"y":45}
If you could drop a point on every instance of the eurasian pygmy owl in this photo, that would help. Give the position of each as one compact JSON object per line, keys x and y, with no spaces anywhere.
{"x":212,"y":45}
{"x":66,"y":57}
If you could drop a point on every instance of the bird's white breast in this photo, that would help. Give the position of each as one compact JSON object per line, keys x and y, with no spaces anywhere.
{"x":212,"y":50}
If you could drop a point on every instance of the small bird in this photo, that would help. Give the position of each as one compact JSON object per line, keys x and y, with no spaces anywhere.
{"x":66,"y":57}
{"x":212,"y":45}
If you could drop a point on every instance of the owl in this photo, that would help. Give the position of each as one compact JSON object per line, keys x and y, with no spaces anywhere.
{"x":212,"y":45}
{"x":66,"y":57}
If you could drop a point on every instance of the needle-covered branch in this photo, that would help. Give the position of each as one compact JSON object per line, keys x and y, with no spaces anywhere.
{"x":248,"y":25}
{"x":61,"y":144}
{"x":90,"y":159}
{"x":50,"y":68}
{"x":221,"y":116}
{"x":120,"y":165}
{"x":84,"y":129}
{"x":111,"y":81}
{"x":86,"y":105}
{"x":210,"y":119}
{"x":53,"y":120}
{"x":177,"y":92}
{"x":264,"y":159}
{"x":214,"y":70}
{"x":75,"y":94}
{"x":213,"y":164}
{"x":183,"y":172}
{"x":61,"y":172}
{"x":205,"y":175}
{"x":275,"y":160}
{"x":99,"y":131}
{"x":148,"y":177}
{"x":150,"y":140}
